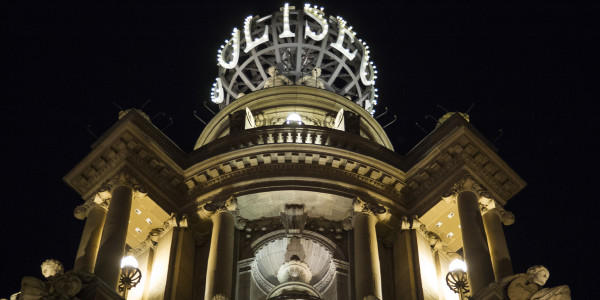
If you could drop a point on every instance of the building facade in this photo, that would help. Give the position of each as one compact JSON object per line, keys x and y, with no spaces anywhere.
{"x":293,"y":190}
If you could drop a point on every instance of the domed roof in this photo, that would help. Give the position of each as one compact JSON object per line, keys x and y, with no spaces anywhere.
{"x":296,"y":47}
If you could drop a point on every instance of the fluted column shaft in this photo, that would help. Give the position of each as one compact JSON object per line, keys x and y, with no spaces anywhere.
{"x":90,"y":239}
{"x":497,"y":244}
{"x":477,"y":256}
{"x":220,"y":258}
{"x":366,"y":257}
{"x":112,"y":244}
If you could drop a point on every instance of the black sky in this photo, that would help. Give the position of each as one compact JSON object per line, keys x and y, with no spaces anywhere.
{"x":531,"y":70}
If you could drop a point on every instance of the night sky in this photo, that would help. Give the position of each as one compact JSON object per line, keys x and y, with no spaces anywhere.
{"x":531,"y":72}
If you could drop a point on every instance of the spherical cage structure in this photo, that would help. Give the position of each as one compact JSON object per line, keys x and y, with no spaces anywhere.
{"x":296,"y":41}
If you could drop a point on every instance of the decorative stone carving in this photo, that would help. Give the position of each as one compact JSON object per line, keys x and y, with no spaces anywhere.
{"x":491,"y":206}
{"x":528,"y":286}
{"x":294,"y":270}
{"x":219,"y":297}
{"x":58,"y":287}
{"x":361,"y":206}
{"x":276,"y":79}
{"x":51,"y":268}
{"x":294,"y":218}
{"x":229,"y":205}
{"x":313,"y":79}
{"x":467,"y":183}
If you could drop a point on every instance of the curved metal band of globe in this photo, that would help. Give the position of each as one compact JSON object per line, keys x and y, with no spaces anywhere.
{"x":130,"y":277}
{"x":457,"y":282}
{"x":297,"y":56}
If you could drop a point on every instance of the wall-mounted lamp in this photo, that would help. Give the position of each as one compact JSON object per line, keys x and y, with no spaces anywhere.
{"x":456,"y":279}
{"x":130,"y":275}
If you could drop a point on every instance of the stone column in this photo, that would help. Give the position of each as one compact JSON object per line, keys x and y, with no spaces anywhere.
{"x":477,"y":256}
{"x":367,"y":273}
{"x":492,"y":221}
{"x":90,"y":238}
{"x":220,"y":258}
{"x":112,"y":244}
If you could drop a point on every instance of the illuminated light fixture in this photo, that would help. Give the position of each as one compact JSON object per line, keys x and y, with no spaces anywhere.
{"x":316,"y":15}
{"x":457,"y":264}
{"x":130,"y":275}
{"x":286,"y":23}
{"x":249,"y":43}
{"x":235,"y":52}
{"x":137,"y":211}
{"x":438,"y":225}
{"x":456,"y":279}
{"x":458,"y":226}
{"x":340,"y":39}
{"x":148,"y":220}
{"x":294,"y":118}
{"x":217,"y":93}
{"x":363,"y":69}
{"x":138,"y":230}
{"x":450,"y":215}
{"x":450,"y":235}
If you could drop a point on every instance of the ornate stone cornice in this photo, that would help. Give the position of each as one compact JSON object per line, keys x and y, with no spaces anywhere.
{"x":250,"y":165}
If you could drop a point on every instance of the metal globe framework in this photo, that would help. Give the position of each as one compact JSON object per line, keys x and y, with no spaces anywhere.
{"x":296,"y":41}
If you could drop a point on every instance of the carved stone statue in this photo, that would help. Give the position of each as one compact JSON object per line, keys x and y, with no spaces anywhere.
{"x":528,"y":286}
{"x":276,"y":79}
{"x":312,"y":79}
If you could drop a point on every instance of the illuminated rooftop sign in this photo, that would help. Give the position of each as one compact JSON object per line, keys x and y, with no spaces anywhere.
{"x":293,"y":42}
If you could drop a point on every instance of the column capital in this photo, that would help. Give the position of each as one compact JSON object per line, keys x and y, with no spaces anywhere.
{"x":507,"y":217}
{"x":81,"y":211}
{"x":363,"y":207}
{"x":465,"y":184}
{"x":124,"y":179}
{"x":226,"y":206}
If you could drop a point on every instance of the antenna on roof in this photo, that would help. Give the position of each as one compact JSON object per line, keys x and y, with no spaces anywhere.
{"x":158,"y":114}
{"x":470,"y":107}
{"x":117,"y":105}
{"x":88,"y":128}
{"x":417,"y":123}
{"x":500,"y":132}
{"x":145,"y":104}
{"x":431,"y":117}
{"x":390,"y":123}
{"x":196,"y":115}
{"x":209,"y":108}
{"x":171,"y":121}
{"x":383,"y":113}
{"x":442,"y":107}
